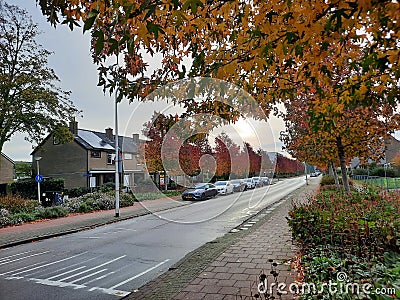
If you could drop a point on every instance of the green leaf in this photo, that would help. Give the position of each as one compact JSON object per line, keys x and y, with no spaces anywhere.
{"x":89,"y":23}
{"x":154,"y":28}
{"x":114,"y":45}
{"x":193,"y":5}
{"x":151,"y":11}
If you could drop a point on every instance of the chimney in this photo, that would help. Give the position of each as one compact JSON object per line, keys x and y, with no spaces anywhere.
{"x":73,"y":127}
{"x":135,"y":137}
{"x":109,"y":134}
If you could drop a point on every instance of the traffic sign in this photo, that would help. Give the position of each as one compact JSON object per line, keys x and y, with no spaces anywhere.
{"x":39,"y":178}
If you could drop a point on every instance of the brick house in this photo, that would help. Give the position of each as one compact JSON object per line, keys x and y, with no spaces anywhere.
{"x":391,"y":149}
{"x":6,"y":169}
{"x":89,"y":160}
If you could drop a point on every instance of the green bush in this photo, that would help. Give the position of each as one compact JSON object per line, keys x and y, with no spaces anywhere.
{"x":390,"y":172}
{"x":367,"y":223}
{"x":28,"y":188}
{"x":51,"y":212}
{"x":85,"y":207}
{"x":360,"y":172}
{"x":23,"y":217}
{"x":327,"y":180}
{"x":324,"y":265}
{"x":76,"y":192}
{"x":107,"y":187}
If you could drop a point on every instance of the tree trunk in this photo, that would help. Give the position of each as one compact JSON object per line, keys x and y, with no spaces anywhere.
{"x":333,"y":173}
{"x":342,"y":160}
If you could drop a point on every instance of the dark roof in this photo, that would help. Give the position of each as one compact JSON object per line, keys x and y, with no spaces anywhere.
{"x":95,"y":140}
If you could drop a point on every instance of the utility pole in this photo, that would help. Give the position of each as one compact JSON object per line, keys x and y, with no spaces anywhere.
{"x":116,"y":157}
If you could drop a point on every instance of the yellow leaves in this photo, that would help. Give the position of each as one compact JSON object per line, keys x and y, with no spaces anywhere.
{"x":363,"y":89}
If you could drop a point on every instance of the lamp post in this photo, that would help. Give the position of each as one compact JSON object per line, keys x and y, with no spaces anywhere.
{"x":37,"y":158}
{"x":116,"y":158}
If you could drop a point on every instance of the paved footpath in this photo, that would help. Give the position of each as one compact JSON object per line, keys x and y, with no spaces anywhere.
{"x":229,"y":267}
{"x":28,"y":232}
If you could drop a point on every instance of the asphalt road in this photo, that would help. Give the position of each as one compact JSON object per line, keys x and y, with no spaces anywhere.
{"x":109,"y":262}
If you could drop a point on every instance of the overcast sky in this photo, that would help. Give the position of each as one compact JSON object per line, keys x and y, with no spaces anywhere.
{"x":73,"y":65}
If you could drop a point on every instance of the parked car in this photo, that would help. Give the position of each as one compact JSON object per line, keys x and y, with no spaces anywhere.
{"x":258,"y":182}
{"x":239,"y":185}
{"x":224,"y":187}
{"x":313,"y":175}
{"x":250,"y":183}
{"x":201,"y":191}
{"x":265,"y":180}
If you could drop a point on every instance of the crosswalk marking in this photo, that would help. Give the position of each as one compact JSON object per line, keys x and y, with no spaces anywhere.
{"x":70,"y":271}
{"x":49,"y":264}
{"x":18,"y":259}
{"x":140,"y":274}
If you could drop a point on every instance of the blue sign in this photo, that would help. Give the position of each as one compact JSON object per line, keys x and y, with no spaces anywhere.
{"x":87,"y":175}
{"x":39,"y":178}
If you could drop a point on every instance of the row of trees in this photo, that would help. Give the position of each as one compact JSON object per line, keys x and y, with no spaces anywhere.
{"x":167,"y":149}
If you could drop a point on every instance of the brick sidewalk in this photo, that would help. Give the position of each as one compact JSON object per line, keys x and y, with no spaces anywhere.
{"x":14,"y":235}
{"x":233,"y":272}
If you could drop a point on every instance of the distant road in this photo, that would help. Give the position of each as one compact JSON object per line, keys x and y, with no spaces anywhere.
{"x":109,"y":262}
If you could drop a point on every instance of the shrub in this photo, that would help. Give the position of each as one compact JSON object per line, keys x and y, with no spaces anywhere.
{"x":367,"y":223}
{"x":327,"y":180}
{"x":23,"y":217}
{"x":85,"y":207}
{"x":360,"y":172}
{"x":28,"y":188}
{"x":381,"y":172}
{"x":51,"y":212}
{"x":76,"y":192}
{"x":126,"y":200}
{"x":17,"y":204}
{"x":107,"y":187}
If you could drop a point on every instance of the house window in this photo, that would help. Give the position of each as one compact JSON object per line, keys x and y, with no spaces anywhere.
{"x":95,"y":154}
{"x":110,"y":159}
{"x":128,"y":156}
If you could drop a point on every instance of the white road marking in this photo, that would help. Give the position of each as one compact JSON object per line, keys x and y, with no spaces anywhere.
{"x":20,"y":269}
{"x":111,"y":291}
{"x":73,"y":265}
{"x":87,"y":276}
{"x":57,"y":283}
{"x":98,"y":278}
{"x":104,"y":264}
{"x":8,"y":257}
{"x":138,"y":275}
{"x":11,"y":261}
{"x":55,"y":276}
{"x":49,"y":264}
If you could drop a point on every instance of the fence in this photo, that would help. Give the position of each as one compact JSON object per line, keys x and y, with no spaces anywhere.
{"x":382,"y":182}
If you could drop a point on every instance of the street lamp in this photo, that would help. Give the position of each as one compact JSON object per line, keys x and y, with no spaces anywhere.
{"x":37,"y":158}
{"x":117,"y":160}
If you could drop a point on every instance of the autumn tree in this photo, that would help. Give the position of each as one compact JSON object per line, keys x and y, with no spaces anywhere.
{"x":30,"y":101}
{"x":156,"y":130}
{"x":343,"y":55}
{"x":254,"y":160}
{"x":256,"y":44}
{"x":223,"y":157}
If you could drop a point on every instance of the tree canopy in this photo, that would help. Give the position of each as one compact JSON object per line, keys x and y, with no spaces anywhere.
{"x":30,"y":101}
{"x":340,"y":57}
